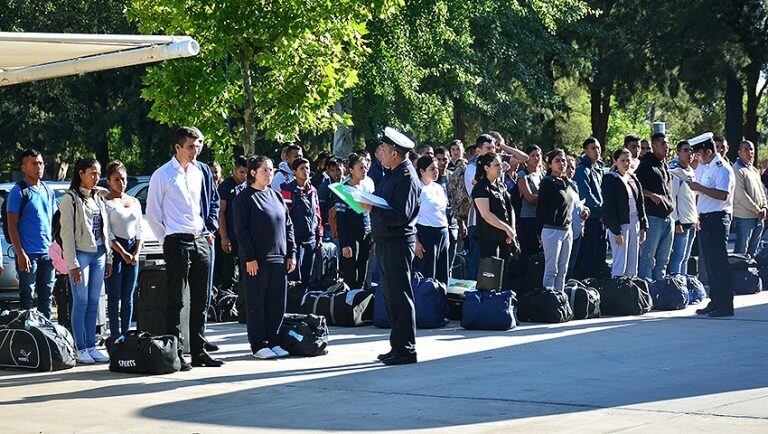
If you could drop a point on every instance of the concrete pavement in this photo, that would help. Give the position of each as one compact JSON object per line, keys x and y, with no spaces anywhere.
{"x":661,"y":372}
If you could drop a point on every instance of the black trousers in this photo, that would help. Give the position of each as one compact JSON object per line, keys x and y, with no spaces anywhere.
{"x":591,"y":259}
{"x":305,"y":259}
{"x":265,"y":303}
{"x":227,"y":263}
{"x":395,"y":258}
{"x":526,"y":235}
{"x":714,"y":243}
{"x":187,"y":263}
{"x":354,"y":269}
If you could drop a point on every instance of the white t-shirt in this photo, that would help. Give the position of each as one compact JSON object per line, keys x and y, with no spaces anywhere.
{"x":433,"y":203}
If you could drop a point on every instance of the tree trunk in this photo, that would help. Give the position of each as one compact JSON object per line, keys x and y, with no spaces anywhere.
{"x":600,"y":112}
{"x":249,"y":141}
{"x":734,"y":113}
{"x":460,"y":125}
{"x":342,"y":137}
{"x":752,"y":73}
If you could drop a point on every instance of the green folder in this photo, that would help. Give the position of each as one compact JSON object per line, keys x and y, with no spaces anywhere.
{"x":339,"y":190}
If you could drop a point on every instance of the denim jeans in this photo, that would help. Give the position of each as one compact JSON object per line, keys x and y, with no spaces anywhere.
{"x":655,"y":251}
{"x":748,"y":234}
{"x":575,"y":248}
{"x":681,"y":251}
{"x":120,"y":288}
{"x":434,"y":262}
{"x":38,"y":281}
{"x":86,"y":295}
{"x":305,"y":258}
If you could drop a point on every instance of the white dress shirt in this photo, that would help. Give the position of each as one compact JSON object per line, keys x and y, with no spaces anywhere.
{"x":174,"y":200}
{"x":718,"y":175}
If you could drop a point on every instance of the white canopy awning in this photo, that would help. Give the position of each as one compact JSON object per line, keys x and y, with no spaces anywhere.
{"x":36,"y":56}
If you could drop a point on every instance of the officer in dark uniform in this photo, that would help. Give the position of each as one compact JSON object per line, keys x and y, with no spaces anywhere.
{"x":714,"y":184}
{"x":394,"y":234}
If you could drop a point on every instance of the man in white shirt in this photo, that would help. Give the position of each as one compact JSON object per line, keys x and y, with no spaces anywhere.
{"x":684,"y":215}
{"x":174,"y":213}
{"x":283,"y":173}
{"x":715,"y":188}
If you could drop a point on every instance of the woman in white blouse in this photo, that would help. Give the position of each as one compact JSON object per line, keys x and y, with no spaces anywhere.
{"x":432,"y":223}
{"x":125,"y":219}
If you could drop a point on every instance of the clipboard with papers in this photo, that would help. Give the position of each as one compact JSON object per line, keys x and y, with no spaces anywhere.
{"x":354,"y":197}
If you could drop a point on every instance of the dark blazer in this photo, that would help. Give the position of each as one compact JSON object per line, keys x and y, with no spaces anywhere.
{"x":209,"y":199}
{"x":616,"y":202}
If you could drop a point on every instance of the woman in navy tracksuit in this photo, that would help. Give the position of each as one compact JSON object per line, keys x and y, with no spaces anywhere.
{"x":267,"y":252}
{"x":304,"y":209}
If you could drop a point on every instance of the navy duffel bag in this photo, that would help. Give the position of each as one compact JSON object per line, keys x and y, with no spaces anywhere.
{"x":489,"y":310}
{"x":431,"y":304}
{"x":670,"y":293}
{"x":746,"y":281}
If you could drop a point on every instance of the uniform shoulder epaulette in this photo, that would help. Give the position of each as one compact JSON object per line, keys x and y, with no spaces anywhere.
{"x":719,"y":164}
{"x":406,"y":173}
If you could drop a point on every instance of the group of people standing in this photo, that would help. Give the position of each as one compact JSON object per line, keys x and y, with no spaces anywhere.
{"x":269,"y":223}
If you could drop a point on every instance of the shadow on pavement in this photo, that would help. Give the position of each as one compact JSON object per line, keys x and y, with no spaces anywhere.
{"x":543,"y":370}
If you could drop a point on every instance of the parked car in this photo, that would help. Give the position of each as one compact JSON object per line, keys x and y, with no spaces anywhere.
{"x":9,"y":283}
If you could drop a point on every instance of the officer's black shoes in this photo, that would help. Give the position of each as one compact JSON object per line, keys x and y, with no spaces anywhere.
{"x":705,"y":310}
{"x":185,"y":366}
{"x":210,"y":347}
{"x":386,"y":355}
{"x":720,"y":313}
{"x":205,"y":359}
{"x":400,"y":359}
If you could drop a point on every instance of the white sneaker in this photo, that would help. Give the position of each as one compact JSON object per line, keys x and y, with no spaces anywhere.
{"x":280,"y":352}
{"x":84,"y":358}
{"x":265,"y":354}
{"x":97,"y":355}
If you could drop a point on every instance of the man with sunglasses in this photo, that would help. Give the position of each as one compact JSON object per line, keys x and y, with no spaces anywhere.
{"x":684,"y":214}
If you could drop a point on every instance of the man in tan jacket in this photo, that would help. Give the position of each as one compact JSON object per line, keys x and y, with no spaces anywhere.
{"x":749,"y":203}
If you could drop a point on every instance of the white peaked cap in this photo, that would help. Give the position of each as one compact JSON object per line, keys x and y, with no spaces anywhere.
{"x":701,"y":138}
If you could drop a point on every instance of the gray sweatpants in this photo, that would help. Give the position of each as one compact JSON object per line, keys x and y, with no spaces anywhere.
{"x":557,"y":245}
{"x":625,"y":256}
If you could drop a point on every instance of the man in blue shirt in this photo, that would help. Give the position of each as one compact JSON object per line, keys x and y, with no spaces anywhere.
{"x":31,"y":235}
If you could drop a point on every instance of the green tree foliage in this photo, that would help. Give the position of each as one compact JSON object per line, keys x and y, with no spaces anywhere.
{"x":73,"y":116}
{"x":443,"y":68}
{"x":268,"y":69}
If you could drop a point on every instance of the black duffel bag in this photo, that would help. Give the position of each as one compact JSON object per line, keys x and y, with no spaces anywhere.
{"x":341,"y":308}
{"x":304,"y":335}
{"x":584,"y":300}
{"x":295,"y":293}
{"x":137,"y":352}
{"x":32,"y":341}
{"x":544,"y":305}
{"x":624,"y":296}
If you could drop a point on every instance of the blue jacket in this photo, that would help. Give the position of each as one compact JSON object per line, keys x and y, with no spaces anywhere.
{"x":589,"y":179}
{"x":209,"y":200}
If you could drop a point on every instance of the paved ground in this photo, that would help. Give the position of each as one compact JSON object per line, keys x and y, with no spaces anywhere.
{"x":662,"y":372}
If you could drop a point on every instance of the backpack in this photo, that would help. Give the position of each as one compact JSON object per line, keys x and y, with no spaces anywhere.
{"x":460,"y":201}
{"x":24,"y":200}
{"x":56,"y":250}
